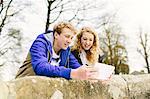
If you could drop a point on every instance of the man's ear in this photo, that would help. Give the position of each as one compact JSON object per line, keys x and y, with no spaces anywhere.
{"x":56,"y":35}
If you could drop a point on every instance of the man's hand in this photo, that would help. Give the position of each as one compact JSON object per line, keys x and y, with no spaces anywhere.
{"x":83,"y":73}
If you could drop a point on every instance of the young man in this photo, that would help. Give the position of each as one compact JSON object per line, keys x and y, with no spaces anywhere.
{"x":50,"y":56}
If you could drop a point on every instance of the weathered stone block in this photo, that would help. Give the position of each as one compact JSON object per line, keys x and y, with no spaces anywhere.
{"x":38,"y":87}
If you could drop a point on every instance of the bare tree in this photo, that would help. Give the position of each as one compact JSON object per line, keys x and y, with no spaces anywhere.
{"x":10,"y":42}
{"x":10,"y":47}
{"x":112,"y":44}
{"x":4,"y":12}
{"x":8,"y":9}
{"x":10,"y":50}
{"x":57,"y":8}
{"x":116,"y":51}
{"x":144,"y":50}
{"x":1,"y":1}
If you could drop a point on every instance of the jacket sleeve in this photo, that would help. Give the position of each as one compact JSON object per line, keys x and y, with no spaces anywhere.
{"x":40,"y":63}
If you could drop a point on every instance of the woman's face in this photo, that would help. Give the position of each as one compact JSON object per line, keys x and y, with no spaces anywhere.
{"x":87,"y":40}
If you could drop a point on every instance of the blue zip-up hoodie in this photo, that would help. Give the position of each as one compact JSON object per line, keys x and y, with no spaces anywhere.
{"x":39,"y":58}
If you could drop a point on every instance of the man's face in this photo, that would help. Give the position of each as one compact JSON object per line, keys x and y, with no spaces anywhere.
{"x":65,"y":38}
{"x":87,"y":40}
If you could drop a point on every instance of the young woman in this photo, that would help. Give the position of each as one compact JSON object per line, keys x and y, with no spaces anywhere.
{"x":86,"y":47}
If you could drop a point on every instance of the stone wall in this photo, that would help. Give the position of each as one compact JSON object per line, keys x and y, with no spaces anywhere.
{"x":36,"y":87}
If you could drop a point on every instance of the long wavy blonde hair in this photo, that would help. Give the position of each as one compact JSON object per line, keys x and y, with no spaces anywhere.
{"x":93,"y":53}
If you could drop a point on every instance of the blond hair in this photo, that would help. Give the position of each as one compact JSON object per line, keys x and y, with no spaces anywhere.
{"x":61,"y":25}
{"x":93,"y":53}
